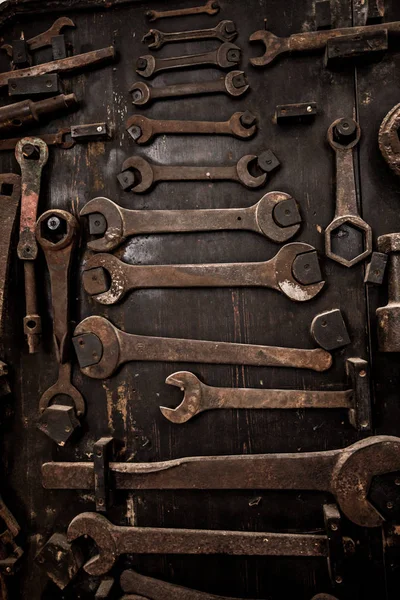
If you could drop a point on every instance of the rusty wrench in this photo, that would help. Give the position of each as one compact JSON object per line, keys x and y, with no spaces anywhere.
{"x":43,"y":39}
{"x":389,"y":142}
{"x":210,"y":8}
{"x":225,"y":57}
{"x":275,"y":215}
{"x":225,"y":31}
{"x":31,"y":154}
{"x":293,"y":271}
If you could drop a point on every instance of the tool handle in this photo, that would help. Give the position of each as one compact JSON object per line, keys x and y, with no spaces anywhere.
{"x":189,"y":89}
{"x":346,"y":194}
{"x":185,"y":173}
{"x":273,"y":399}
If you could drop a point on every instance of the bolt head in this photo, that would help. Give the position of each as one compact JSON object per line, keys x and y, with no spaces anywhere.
{"x":141,"y":64}
{"x":247,"y":119}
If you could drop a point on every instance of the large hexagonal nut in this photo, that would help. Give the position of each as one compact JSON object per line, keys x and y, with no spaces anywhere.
{"x":59,"y":422}
{"x":353,"y":222}
{"x":60,"y":559}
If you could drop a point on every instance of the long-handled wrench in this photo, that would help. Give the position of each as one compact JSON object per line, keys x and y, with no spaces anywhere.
{"x":209,"y":8}
{"x":225,"y":31}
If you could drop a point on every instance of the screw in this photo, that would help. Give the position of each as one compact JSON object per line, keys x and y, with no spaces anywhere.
{"x":30,"y":152}
{"x":137,"y":95}
{"x":230,"y":27}
{"x":239,"y":81}
{"x":135,"y":132}
{"x":334,"y":527}
{"x":309,"y":109}
{"x":339,"y":579}
{"x":233,"y":55}
{"x":53,"y":223}
{"x":99,"y":128}
{"x":247,"y":119}
{"x":389,"y":505}
{"x":362,"y":373}
{"x":141,"y":64}
{"x":49,"y":83}
{"x":397,"y":481}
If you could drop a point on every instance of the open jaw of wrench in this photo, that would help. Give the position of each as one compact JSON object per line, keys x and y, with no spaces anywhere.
{"x":56,"y":232}
{"x":294,"y":271}
{"x":146,"y":173}
{"x":209,"y":8}
{"x":310,"y":40}
{"x":225,"y":57}
{"x":345,"y":473}
{"x":233,"y":84}
{"x":348,"y":238}
{"x":141,"y":129}
{"x":101,"y":349}
{"x":43,"y":39}
{"x":275,"y":215}
{"x":225,"y":31}
{"x":389,"y":142}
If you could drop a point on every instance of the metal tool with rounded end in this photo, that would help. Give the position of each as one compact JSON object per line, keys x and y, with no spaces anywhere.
{"x":210,"y":8}
{"x":389,"y":142}
{"x":225,"y":31}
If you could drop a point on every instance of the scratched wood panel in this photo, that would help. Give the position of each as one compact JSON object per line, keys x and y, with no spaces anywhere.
{"x":127,"y":405}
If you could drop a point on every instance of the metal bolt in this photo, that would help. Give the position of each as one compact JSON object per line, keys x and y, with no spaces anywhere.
{"x":53,"y":223}
{"x":141,"y":64}
{"x":389,"y":505}
{"x":135,"y":132}
{"x":339,"y":579}
{"x":397,"y":481}
{"x":334,"y":527}
{"x":100,"y":128}
{"x":239,"y":81}
{"x":247,"y":119}
{"x":233,"y":55}
{"x":49,"y":83}
{"x":309,"y":109}
{"x":137,"y":95}
{"x":230,"y":27}
{"x":362,"y":373}
{"x":30,"y":152}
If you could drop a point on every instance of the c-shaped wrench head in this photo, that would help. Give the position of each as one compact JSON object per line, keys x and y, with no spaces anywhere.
{"x":273,"y":47}
{"x":97,"y":345}
{"x":101,"y":269}
{"x":97,"y":528}
{"x":111,"y":214}
{"x":292,"y":274}
{"x":191,"y":404}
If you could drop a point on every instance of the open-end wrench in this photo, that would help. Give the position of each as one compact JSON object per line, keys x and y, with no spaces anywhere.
{"x":225,"y":57}
{"x":389,"y":142}
{"x":343,"y":135}
{"x":225,"y":31}
{"x":101,"y":349}
{"x":345,"y":473}
{"x":141,"y":129}
{"x":310,"y":40}
{"x":31,"y":154}
{"x":275,"y":216}
{"x":209,"y":8}
{"x":234,"y":84}
{"x":43,"y":39}
{"x":150,"y":173}
{"x":108,"y":279}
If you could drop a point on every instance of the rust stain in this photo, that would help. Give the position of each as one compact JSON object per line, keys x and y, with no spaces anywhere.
{"x":95,"y":151}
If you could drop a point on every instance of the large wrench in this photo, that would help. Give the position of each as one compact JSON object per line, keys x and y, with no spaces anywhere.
{"x":225,"y":31}
{"x":275,"y":216}
{"x":309,"y":40}
{"x":150,"y":173}
{"x":210,"y":8}
{"x":343,"y":135}
{"x":101,"y":348}
{"x":225,"y":57}
{"x":389,"y":142}
{"x":345,"y":473}
{"x":276,"y":274}
{"x":142,"y":129}
{"x":233,"y":84}
{"x":43,"y":39}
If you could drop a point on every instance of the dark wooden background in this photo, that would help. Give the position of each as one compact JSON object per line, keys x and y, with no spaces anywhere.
{"x":127,"y":405}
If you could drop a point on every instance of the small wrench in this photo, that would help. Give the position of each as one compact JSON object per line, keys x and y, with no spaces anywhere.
{"x":309,"y":40}
{"x":225,"y":31}
{"x":343,"y":135}
{"x":150,"y":173}
{"x":43,"y":39}
{"x":389,"y":142}
{"x":276,"y":274}
{"x":275,"y":216}
{"x":210,"y":8}
{"x":234,"y":84}
{"x":141,"y":129}
{"x":225,"y":57}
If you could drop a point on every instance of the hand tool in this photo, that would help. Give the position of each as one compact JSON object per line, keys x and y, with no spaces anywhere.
{"x":43,"y":39}
{"x":60,"y":560}
{"x":101,"y":348}
{"x":329,"y":330}
{"x":108,"y":279}
{"x":105,"y":591}
{"x":199,"y":397}
{"x":225,"y":57}
{"x":15,"y":116}
{"x":35,"y":85}
{"x":150,"y":173}
{"x":309,"y":40}
{"x":357,"y":48}
{"x":376,"y":268}
{"x":389,"y":316}
{"x":141,"y":129}
{"x":31,"y":154}
{"x":388,"y":138}
{"x":234,"y":84}
{"x":275,"y":215}
{"x":10,"y":551}
{"x":113,"y":541}
{"x":64,"y":65}
{"x":345,"y":473}
{"x":225,"y":31}
{"x":343,"y":136}
{"x":210,"y":8}
{"x":56,"y":232}
{"x":66,"y":137}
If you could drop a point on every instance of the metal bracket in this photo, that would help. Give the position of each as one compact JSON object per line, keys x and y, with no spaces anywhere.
{"x":101,"y":454}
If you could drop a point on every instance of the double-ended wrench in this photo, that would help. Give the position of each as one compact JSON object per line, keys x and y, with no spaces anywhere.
{"x":225,"y":31}
{"x":209,"y":8}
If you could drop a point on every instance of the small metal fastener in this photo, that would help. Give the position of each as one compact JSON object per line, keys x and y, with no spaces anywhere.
{"x":53,"y":223}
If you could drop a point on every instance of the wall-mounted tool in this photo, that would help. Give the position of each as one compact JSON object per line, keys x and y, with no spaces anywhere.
{"x":376,"y":268}
{"x":9,"y":549}
{"x":348,"y":238}
{"x":233,"y":84}
{"x":101,"y":349}
{"x":18,"y":115}
{"x":389,"y":142}
{"x":345,"y":473}
{"x":43,"y":40}
{"x":276,"y":216}
{"x":210,"y":8}
{"x":301,"y":112}
{"x":389,"y":316}
{"x":113,"y":541}
{"x":56,"y":233}
{"x":225,"y":31}
{"x":225,"y":57}
{"x":60,"y":560}
{"x":106,"y":589}
{"x":329,"y":330}
{"x":36,"y":85}
{"x":199,"y":397}
{"x":366,"y":45}
{"x":67,"y":137}
{"x":294,"y":272}
{"x":31,"y":154}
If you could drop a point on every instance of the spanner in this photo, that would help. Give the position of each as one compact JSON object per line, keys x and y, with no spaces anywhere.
{"x":276,"y":216}
{"x":225,"y":31}
{"x":234,"y":84}
{"x":309,"y":40}
{"x":345,"y":473}
{"x":343,"y":135}
{"x":389,"y":142}
{"x":296,"y":276}
{"x":31,"y":154}
{"x":150,"y":173}
{"x":101,"y":348}
{"x":141,"y":129}
{"x":43,"y":39}
{"x":210,"y":8}
{"x":225,"y":57}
